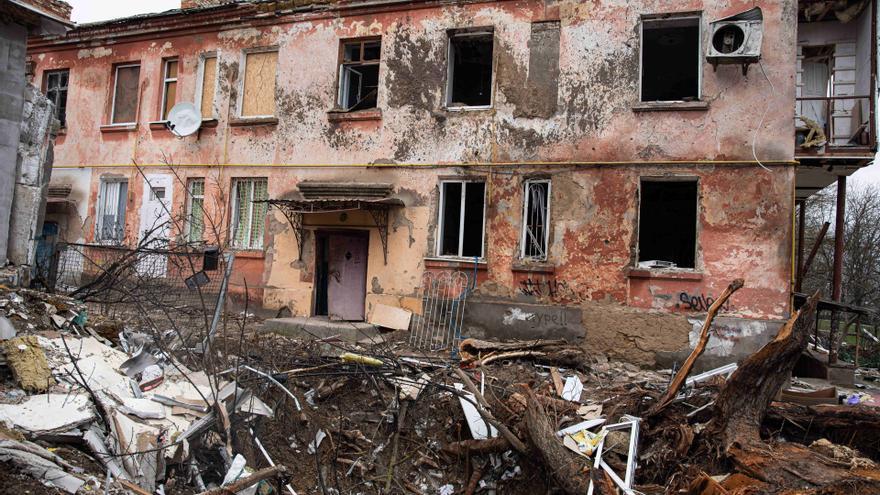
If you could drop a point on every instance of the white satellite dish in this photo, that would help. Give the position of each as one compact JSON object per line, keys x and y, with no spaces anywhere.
{"x":184,"y":119}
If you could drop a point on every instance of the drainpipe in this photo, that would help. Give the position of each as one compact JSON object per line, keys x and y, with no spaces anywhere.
{"x":837,"y":277}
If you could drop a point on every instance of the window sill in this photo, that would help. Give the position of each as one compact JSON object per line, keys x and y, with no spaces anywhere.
{"x":209,"y":123}
{"x":534,"y":267}
{"x":118,"y":127}
{"x":250,"y":253}
{"x":359,"y":115}
{"x":159,"y":125}
{"x":475,"y":108}
{"x":671,"y":106}
{"x":454,"y":263}
{"x":667,"y":274}
{"x":253,"y":121}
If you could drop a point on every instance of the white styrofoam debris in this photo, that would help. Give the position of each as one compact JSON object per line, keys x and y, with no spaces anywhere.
{"x":48,"y":413}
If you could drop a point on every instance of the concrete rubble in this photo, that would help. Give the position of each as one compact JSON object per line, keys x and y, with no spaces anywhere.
{"x":259,"y":413}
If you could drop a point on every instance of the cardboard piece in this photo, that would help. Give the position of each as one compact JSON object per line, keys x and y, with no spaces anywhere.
{"x":390,"y":317}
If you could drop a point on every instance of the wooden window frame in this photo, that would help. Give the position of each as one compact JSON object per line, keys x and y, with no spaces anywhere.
{"x":440,"y":223}
{"x":114,"y":89}
{"x":524,"y":235}
{"x":669,"y":18}
{"x":239,"y":107}
{"x":165,"y":80}
{"x":200,"y":83}
{"x":341,"y":64}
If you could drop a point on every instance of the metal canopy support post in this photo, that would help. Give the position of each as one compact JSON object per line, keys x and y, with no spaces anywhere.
{"x":294,"y":218}
{"x":837,"y":275}
{"x":380,"y":216}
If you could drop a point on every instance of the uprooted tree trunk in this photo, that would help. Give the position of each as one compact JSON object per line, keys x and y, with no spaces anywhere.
{"x":566,"y":469}
{"x":742,"y":403}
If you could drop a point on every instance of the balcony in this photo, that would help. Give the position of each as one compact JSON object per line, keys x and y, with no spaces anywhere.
{"x":829,"y":126}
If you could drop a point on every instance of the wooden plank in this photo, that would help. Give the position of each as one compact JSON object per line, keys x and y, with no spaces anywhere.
{"x":390,"y":317}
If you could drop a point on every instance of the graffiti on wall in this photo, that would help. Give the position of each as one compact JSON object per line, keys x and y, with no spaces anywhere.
{"x":699,"y":302}
{"x":552,"y":288}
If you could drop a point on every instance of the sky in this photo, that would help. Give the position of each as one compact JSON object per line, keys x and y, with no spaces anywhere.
{"x":101,"y":10}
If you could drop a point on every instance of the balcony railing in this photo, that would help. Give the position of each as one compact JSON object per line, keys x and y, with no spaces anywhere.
{"x":834,"y":124}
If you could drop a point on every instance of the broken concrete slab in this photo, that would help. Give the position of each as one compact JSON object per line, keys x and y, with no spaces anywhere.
{"x":39,"y":463}
{"x":48,"y":413}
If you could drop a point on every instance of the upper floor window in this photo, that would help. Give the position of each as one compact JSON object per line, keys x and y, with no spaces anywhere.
{"x":671,"y":59}
{"x":258,"y":89}
{"x":110,"y":214}
{"x":126,"y":83}
{"x":169,"y":86}
{"x":668,"y":223}
{"x":249,"y":212}
{"x":462,"y":218}
{"x":469,"y":73}
{"x":55,"y":87}
{"x":359,"y":74}
{"x":207,"y":85}
{"x":536,"y":220}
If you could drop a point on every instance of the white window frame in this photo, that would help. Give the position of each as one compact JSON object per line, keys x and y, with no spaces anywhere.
{"x":675,"y":178}
{"x":450,"y":59}
{"x":190,"y":196}
{"x":526,"y":203}
{"x":250,"y":214}
{"x":440,"y":223}
{"x":659,"y":19}
{"x":116,"y":88}
{"x":342,"y":88}
{"x":99,"y":211}
{"x":165,"y":80}
{"x":200,"y":82}
{"x":243,"y":75}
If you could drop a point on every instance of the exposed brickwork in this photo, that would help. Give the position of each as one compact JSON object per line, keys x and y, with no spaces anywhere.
{"x":57,"y":8}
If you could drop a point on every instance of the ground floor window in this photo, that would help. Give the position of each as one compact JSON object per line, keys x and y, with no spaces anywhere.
{"x":248,"y":212}
{"x":462,"y":218}
{"x":668,"y":223}
{"x":110,"y":214}
{"x":195,"y":216}
{"x":536,"y":220}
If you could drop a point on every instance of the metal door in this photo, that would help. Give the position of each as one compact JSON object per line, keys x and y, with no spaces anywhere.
{"x":347,"y":277}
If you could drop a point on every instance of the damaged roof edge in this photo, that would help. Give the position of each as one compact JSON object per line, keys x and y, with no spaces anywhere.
{"x":247,"y":10}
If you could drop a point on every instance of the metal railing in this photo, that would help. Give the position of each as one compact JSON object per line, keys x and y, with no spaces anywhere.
{"x":444,"y":295}
{"x":143,"y":278}
{"x":835,"y":122}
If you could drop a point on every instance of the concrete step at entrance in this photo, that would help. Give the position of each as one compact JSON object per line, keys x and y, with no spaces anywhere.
{"x":301,"y":327}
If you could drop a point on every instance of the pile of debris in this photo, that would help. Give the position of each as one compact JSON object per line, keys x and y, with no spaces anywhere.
{"x":250,"y":412}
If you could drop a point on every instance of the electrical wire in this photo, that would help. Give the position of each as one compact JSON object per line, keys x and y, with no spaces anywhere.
{"x":763,"y":115}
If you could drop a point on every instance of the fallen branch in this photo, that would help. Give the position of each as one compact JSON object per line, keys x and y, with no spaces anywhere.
{"x":483,"y":409}
{"x":565,"y":468}
{"x":488,"y":446}
{"x":685,"y":369}
{"x":253,"y":479}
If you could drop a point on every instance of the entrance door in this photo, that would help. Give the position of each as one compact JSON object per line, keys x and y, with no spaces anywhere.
{"x":155,"y":224}
{"x":346,"y":276}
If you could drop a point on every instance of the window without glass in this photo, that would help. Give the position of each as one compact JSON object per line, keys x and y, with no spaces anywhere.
{"x":56,"y":91}
{"x":462,"y":213}
{"x":195,"y":213}
{"x":469,"y":76}
{"x":359,"y":74}
{"x":258,"y":93}
{"x":169,"y":87}
{"x":248,"y":214}
{"x":207,"y":86}
{"x":112,"y":198}
{"x":536,"y":218}
{"x":125,"y":94}
{"x":668,"y":223}
{"x":671,"y":59}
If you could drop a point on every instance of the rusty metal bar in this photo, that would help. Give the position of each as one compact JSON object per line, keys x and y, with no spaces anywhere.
{"x":815,"y":249}
{"x":839,"y":224}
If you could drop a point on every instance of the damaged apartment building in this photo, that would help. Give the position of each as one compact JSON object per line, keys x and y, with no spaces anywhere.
{"x":596,"y":169}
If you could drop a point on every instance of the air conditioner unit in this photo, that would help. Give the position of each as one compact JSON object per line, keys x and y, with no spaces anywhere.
{"x":736,"y":39}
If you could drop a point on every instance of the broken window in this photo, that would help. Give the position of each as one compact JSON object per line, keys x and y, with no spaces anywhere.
{"x":207,"y":85}
{"x":668,"y":224}
{"x":671,"y":59}
{"x":195,"y":219}
{"x":169,"y":87}
{"x":258,"y":93}
{"x":462,"y":213}
{"x":112,"y":198}
{"x":123,"y":110}
{"x":56,"y":91}
{"x":359,"y":74}
{"x":469,"y":76}
{"x":249,"y":212}
{"x":536,"y":219}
